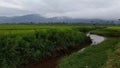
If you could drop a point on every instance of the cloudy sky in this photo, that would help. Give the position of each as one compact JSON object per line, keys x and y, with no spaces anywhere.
{"x":103,"y":9}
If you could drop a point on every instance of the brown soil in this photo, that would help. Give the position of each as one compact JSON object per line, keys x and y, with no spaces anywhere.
{"x":52,"y":62}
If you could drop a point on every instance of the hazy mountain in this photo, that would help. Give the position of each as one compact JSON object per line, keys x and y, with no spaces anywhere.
{"x":22,"y":19}
{"x":35,"y":18}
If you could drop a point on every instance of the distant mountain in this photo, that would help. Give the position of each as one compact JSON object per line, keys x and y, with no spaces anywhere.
{"x":35,"y":18}
{"x":22,"y":19}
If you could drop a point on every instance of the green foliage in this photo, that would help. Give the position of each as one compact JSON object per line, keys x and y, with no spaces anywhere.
{"x":28,"y":46}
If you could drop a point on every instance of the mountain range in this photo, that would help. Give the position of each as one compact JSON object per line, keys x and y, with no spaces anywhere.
{"x":36,"y":18}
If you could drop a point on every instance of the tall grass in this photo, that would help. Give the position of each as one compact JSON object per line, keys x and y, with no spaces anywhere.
{"x":20,"y":48}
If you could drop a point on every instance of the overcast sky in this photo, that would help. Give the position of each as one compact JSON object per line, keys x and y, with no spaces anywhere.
{"x":103,"y":9}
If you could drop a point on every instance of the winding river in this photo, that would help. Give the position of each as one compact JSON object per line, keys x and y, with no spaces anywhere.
{"x":52,"y":63}
{"x":96,"y":39}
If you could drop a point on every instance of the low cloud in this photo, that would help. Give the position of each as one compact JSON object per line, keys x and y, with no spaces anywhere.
{"x":102,"y":9}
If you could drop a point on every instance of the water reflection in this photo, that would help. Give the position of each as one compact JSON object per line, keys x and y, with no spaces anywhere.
{"x":96,"y":39}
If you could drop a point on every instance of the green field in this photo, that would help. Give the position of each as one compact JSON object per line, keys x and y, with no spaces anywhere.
{"x":20,"y":29}
{"x":24,"y":44}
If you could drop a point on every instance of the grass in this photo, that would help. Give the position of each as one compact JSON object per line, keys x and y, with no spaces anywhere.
{"x":110,"y":31}
{"x":29,"y":27}
{"x":22,"y":29}
{"x":22,"y":44}
{"x":114,"y":60}
{"x":92,"y":57}
{"x":104,"y":55}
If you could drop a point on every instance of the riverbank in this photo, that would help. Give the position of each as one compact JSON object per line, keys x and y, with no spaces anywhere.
{"x":91,"y":57}
{"x":53,"y":61}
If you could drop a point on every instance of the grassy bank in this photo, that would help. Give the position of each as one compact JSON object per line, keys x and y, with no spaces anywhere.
{"x":104,"y":55}
{"x":92,"y":57}
{"x":110,"y":31}
{"x":114,"y":60}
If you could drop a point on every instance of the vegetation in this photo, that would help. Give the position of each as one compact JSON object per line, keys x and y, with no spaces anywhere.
{"x":114,"y":60}
{"x":111,"y":31}
{"x":20,"y":45}
{"x":104,"y":55}
{"x":92,"y":56}
{"x":24,"y":44}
